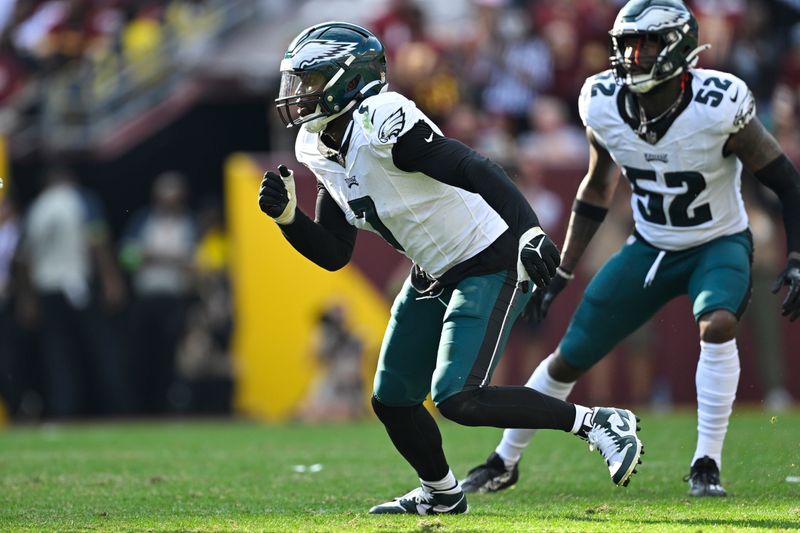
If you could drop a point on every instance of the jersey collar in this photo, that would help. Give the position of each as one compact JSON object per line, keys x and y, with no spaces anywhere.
{"x":628,"y":110}
{"x":337,"y":156}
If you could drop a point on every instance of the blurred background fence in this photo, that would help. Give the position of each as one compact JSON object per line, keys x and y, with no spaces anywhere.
{"x":137,"y":275}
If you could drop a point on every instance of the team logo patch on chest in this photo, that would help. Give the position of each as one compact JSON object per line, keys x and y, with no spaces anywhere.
{"x":392,"y":126}
{"x":655,"y":157}
{"x":351,"y":182}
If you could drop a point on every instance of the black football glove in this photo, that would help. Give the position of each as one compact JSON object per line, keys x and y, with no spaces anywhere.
{"x":791,"y":277}
{"x":540,"y":302}
{"x":276,"y":197}
{"x":538,"y":257}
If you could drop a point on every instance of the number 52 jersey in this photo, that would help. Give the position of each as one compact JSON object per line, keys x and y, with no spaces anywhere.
{"x":686,"y":191}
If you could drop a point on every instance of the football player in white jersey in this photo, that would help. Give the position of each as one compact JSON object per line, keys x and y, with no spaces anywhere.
{"x":681,"y":136}
{"x":476,"y":245}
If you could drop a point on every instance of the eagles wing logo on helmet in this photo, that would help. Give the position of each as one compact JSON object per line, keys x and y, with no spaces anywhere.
{"x":317,"y":50}
{"x":654,"y":19}
{"x":392,"y":126}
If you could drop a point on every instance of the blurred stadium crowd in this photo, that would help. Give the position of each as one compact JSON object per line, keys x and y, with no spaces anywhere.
{"x":502,"y":76}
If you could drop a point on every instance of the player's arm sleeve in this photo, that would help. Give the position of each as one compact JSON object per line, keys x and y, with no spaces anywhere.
{"x":761,"y":154}
{"x":328,"y":240}
{"x":421,"y":149}
{"x":782,"y":177}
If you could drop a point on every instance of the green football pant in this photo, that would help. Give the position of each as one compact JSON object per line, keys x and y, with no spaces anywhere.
{"x":715,"y":275}
{"x":449,"y":343}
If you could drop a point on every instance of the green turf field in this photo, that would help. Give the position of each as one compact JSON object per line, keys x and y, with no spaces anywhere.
{"x":238,"y":476}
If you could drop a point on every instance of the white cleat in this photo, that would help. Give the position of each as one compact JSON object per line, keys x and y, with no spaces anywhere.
{"x":613,"y":434}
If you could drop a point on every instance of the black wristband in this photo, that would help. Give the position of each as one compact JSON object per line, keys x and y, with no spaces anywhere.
{"x":594,"y":212}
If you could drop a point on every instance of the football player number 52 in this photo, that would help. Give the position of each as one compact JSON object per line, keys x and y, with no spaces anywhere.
{"x":679,"y":216}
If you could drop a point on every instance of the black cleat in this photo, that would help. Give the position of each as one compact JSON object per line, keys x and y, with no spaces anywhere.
{"x":703,"y":478}
{"x":491,"y":476}
{"x":424,"y":502}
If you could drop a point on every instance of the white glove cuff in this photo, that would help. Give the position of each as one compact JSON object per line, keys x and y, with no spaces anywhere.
{"x":287,"y":217}
{"x":522,"y":274}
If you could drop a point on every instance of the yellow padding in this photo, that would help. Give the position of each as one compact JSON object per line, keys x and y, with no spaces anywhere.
{"x":277,"y":296}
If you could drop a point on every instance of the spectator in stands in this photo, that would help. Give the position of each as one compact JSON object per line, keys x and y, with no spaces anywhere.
{"x":12,"y":74}
{"x":554,"y":141}
{"x":158,"y":249}
{"x":419,"y":67}
{"x":789,"y":76}
{"x":141,"y":42}
{"x":77,"y":29}
{"x":16,"y":68}
{"x":559,"y":24}
{"x":337,"y":393}
{"x":753,"y":52}
{"x":463,"y":124}
{"x":530,"y":179}
{"x":65,"y":251}
{"x":717,"y":28}
{"x":512,"y":64}
{"x":204,"y":361}
{"x":400,"y":24}
{"x":786,"y":99}
{"x":12,"y":14}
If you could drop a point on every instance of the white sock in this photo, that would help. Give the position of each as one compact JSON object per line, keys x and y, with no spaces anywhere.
{"x":516,"y":440}
{"x":716,"y":380}
{"x":583,"y":419}
{"x":447,"y":484}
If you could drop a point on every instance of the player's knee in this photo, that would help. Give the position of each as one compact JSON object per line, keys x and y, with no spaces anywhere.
{"x":389,"y":413}
{"x":392,"y":389}
{"x":461,"y":408}
{"x":718,"y":326}
{"x":561,"y":370}
{"x":377,"y":407}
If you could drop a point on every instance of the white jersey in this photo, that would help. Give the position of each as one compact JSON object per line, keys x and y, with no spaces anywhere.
{"x":685,"y":191}
{"x":436,"y":225}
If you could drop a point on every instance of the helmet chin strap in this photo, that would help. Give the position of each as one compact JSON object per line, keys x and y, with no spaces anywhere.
{"x":649,"y":84}
{"x":318,"y":124}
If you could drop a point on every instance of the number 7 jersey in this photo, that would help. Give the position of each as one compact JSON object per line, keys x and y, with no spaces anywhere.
{"x":686,"y":191}
{"x":438,"y":226}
